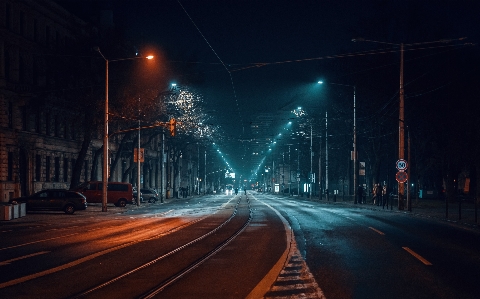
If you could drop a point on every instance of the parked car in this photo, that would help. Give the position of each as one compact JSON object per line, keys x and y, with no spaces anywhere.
{"x":118,"y":193}
{"x":150,"y":195}
{"x":53,"y":199}
{"x":135,"y":196}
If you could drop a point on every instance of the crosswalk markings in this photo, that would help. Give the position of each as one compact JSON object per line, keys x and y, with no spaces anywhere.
{"x":295,"y":281}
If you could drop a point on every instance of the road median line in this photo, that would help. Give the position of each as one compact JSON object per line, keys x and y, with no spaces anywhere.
{"x":418,"y":256}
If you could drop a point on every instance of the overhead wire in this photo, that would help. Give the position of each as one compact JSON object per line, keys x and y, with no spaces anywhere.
{"x":221,"y":61}
{"x":354,"y":54}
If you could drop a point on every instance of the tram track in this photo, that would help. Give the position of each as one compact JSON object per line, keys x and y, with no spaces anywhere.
{"x":152,"y":277}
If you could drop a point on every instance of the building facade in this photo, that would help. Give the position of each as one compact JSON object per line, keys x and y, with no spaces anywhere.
{"x":42,"y":127}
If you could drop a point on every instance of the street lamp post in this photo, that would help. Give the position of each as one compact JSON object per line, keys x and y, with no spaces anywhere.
{"x":311,"y":165}
{"x":289,"y":171}
{"x":401,"y":115}
{"x":298,"y":172}
{"x":354,"y":154}
{"x":205,"y":175}
{"x":138,"y":160}
{"x":105,"y":130}
{"x":326,"y":155}
{"x":105,"y":142}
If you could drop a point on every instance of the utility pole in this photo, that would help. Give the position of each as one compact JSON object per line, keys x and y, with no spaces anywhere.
{"x":298,"y":172}
{"x":409,"y":199}
{"x":205,"y":175}
{"x":105,"y":169}
{"x":163,"y":166}
{"x":401,"y":129}
{"x":138,"y":162}
{"x":198,"y":169}
{"x":289,"y":172}
{"x":326,"y":155}
{"x":311,"y":165}
{"x":283,"y":173}
{"x":320,"y":169}
{"x":355,"y":172}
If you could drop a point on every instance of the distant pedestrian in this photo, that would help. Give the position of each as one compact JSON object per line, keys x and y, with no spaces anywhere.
{"x":245,"y":190}
{"x":385,"y":195}
{"x":359,"y":193}
{"x":379,"y":194}
{"x":374,"y":194}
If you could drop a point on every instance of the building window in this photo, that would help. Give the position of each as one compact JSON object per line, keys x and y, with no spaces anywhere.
{"x":73,"y":131}
{"x":22,"y":70}
{"x":38,"y":122}
{"x":47,"y":169}
{"x":73,"y":164}
{"x":86,"y":170}
{"x":24,"y":118}
{"x":22,"y":23}
{"x":10,"y":115}
{"x":57,"y":169}
{"x":65,"y":170}
{"x":8,"y":16}
{"x":7,"y":64}
{"x":10,"y":167}
{"x":35,"y":30}
{"x":56,"y":125}
{"x":38,"y":168}
{"x":47,"y":124}
{"x":36,"y":73}
{"x":47,"y":36}
{"x":65,"y":128}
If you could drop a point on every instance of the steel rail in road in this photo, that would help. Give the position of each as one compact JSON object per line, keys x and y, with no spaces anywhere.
{"x":214,"y":248}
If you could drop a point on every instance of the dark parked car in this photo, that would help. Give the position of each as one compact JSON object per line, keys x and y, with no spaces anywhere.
{"x":135,"y":196}
{"x":53,"y":199}
{"x":150,"y":195}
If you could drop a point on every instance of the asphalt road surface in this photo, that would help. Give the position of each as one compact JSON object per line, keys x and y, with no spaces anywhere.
{"x":253,"y":246}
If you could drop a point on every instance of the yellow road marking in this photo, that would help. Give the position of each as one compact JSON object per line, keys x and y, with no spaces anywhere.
{"x":376,"y":230}
{"x":39,"y":241}
{"x":419,"y":257}
{"x":22,"y":257}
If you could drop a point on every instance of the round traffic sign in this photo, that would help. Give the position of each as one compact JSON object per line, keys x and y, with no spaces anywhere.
{"x":401,"y":165}
{"x":401,"y":177}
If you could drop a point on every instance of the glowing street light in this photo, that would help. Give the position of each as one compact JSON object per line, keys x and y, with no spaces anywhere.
{"x":105,"y":130}
{"x":354,"y":154}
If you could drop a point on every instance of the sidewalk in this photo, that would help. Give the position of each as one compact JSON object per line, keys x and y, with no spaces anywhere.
{"x":458,"y":212}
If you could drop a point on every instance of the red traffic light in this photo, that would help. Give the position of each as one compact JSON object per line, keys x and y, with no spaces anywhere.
{"x":172,"y":126}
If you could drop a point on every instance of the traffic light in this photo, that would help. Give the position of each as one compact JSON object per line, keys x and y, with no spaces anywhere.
{"x":172,"y":126}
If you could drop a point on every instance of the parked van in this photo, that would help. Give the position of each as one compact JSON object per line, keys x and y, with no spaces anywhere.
{"x":118,"y":193}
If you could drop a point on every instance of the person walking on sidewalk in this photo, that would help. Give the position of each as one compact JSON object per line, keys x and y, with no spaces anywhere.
{"x":385,"y":196}
{"x":378,"y":194}
{"x":359,"y":194}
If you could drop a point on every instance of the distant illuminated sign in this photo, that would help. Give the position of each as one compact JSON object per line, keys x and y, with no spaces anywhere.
{"x":230,"y":175}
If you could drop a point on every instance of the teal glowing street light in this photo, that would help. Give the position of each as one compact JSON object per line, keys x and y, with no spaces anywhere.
{"x":354,"y":154}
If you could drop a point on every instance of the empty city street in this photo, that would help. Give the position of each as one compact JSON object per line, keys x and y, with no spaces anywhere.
{"x":221,"y":246}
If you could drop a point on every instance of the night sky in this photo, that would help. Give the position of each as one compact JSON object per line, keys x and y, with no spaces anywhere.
{"x":266,"y":56}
